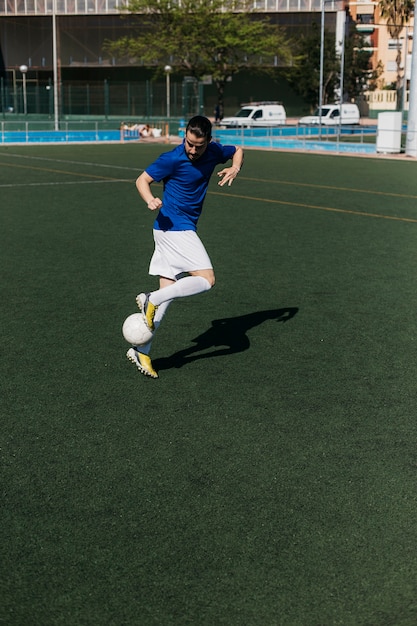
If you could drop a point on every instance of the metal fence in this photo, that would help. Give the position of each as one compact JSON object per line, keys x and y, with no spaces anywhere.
{"x":105,"y":7}
{"x":35,"y":131}
{"x":106,"y":98}
{"x":82,"y":130}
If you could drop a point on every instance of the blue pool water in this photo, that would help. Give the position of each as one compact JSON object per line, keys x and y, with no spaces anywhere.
{"x":286,"y":138}
{"x":298,"y":138}
{"x":59,"y":136}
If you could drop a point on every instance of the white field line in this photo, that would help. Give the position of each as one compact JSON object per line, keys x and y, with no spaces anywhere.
{"x":37,"y":158}
{"x":72,"y":182}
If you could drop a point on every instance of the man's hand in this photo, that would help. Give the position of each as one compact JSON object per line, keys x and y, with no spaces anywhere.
{"x":227,"y":175}
{"x":155,"y":204}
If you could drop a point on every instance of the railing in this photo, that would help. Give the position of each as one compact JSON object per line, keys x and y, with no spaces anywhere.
{"x":384,"y":100}
{"x":302,"y":131}
{"x":389,"y":136}
{"x":291,"y":137}
{"x":21,"y":131}
{"x":346,"y":139}
{"x":103,"y":7}
{"x":62,"y":7}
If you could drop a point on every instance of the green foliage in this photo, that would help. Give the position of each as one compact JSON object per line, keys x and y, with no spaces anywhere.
{"x":358,"y":74}
{"x":199,"y":38}
{"x":397,"y":13}
{"x":305,"y":78}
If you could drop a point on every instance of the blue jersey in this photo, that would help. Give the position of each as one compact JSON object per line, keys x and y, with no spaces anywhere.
{"x":185,"y":184}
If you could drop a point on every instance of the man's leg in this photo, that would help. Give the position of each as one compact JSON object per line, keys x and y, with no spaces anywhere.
{"x":159,"y":312}
{"x":139,"y":355}
{"x":197,"y":282}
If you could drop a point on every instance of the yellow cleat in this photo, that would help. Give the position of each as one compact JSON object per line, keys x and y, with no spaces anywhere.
{"x":148,"y":310}
{"x":142,"y":361}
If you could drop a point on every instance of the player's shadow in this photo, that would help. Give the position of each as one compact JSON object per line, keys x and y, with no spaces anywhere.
{"x":226,"y":336}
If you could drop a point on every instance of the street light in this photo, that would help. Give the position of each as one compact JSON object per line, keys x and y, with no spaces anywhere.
{"x":411,"y":139}
{"x":342,"y":71}
{"x":321,"y":63}
{"x":404,"y":93}
{"x":321,"y":87}
{"x":55,"y":65}
{"x":24,"y":69}
{"x":168,"y":70}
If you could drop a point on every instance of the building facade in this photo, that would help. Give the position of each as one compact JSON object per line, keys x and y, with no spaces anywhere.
{"x":367,"y":16}
{"x":33,"y":31}
{"x":83,"y":26}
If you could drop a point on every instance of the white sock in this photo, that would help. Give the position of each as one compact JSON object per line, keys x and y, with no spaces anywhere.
{"x":187,"y":286}
{"x":160,"y":312}
{"x":162,"y":298}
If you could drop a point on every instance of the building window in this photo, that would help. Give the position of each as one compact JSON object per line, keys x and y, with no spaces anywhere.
{"x":365,"y":19}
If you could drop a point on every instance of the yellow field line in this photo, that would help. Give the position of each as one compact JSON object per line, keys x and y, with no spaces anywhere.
{"x":330,"y":187}
{"x":257,"y":199}
{"x":319,"y":208}
{"x":242,"y":177}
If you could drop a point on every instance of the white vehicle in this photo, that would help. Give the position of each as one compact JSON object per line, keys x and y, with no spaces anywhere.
{"x":334,"y":114}
{"x":257,"y":114}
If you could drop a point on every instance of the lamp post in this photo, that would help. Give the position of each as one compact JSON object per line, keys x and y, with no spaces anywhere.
{"x":55,"y":65}
{"x":411,"y":138}
{"x":168,"y":70}
{"x":24,"y":69}
{"x":342,"y":63}
{"x":321,"y":63}
{"x":321,"y":87}
{"x":404,"y":91}
{"x":342,"y":71}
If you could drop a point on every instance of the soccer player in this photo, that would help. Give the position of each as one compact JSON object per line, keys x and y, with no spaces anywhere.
{"x":180,"y":258}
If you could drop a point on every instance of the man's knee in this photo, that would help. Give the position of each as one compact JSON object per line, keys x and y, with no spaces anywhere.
{"x":211,"y":279}
{"x":207,"y":274}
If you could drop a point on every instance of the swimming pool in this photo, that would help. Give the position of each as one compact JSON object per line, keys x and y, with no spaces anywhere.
{"x":285,"y":138}
{"x":58,"y":136}
{"x":300,"y":138}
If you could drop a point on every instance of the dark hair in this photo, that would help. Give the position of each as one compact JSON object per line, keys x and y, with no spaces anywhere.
{"x":200,"y":126}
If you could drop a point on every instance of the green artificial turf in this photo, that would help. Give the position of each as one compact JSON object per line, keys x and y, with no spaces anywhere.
{"x":268,"y":478}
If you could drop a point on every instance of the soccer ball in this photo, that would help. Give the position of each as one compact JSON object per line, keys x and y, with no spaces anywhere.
{"x":135,"y":330}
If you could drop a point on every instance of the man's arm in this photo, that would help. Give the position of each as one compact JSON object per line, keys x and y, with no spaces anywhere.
{"x":228,"y":174}
{"x":143,"y":185}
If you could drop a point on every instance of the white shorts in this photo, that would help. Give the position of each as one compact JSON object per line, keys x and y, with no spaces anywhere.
{"x":177,"y":252}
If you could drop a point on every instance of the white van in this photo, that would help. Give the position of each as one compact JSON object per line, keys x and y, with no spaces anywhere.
{"x":334,"y":114}
{"x":255,"y":114}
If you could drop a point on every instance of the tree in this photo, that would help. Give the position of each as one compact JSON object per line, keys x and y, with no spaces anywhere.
{"x":397,"y":13}
{"x":199,"y":38}
{"x":305,"y":78}
{"x":359,"y":75}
